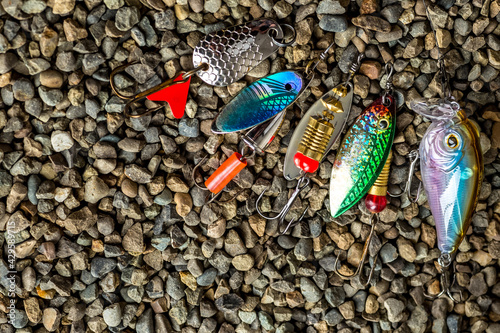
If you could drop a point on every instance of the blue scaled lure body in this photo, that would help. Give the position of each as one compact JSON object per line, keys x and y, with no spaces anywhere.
{"x":259,"y":102}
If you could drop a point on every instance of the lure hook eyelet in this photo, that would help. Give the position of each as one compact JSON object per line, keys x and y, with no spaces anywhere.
{"x":364,"y":280}
{"x":302,"y":183}
{"x":389,"y":70}
{"x":282,"y":43}
{"x":354,"y":67}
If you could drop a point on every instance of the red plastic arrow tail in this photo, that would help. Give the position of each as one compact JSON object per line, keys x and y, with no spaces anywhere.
{"x":175,"y":96}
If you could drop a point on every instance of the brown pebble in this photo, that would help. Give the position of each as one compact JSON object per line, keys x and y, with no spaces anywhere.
{"x":372,"y":23}
{"x":354,"y":254}
{"x":48,"y":42}
{"x":133,"y":241}
{"x":51,"y":319}
{"x":428,"y":235}
{"x":258,"y":224}
{"x":371,"y":68}
{"x":175,"y":184}
{"x":160,"y":305}
{"x":184,"y":203}
{"x":5,"y":79}
{"x":347,"y":310}
{"x":32,"y":308}
{"x":243,"y":262}
{"x":371,"y":304}
{"x":129,"y":188}
{"x":345,"y":241}
{"x":434,"y":288}
{"x":369,"y":7}
{"x":51,"y":79}
{"x":491,"y":114}
{"x":295,"y":299}
{"x":73,"y":30}
{"x":495,"y":136}
{"x":48,"y":249}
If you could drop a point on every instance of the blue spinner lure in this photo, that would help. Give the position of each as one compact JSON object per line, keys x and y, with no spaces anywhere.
{"x":259,"y":102}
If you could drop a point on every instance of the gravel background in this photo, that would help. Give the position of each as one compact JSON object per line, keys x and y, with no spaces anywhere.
{"x":111,"y":233}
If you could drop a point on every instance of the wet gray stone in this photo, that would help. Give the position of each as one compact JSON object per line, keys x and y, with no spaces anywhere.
{"x":310,"y":291}
{"x":333,"y":23}
{"x":165,"y":20}
{"x":99,"y":267}
{"x":189,"y":127}
{"x":229,"y":303}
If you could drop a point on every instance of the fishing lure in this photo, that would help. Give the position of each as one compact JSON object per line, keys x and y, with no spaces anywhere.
{"x":362,"y":164}
{"x":254,"y":141}
{"x":259,"y":102}
{"x":259,"y":108}
{"x":220,"y":58}
{"x":362,"y":154}
{"x":320,"y":128}
{"x":451,"y":164}
{"x":312,"y":140}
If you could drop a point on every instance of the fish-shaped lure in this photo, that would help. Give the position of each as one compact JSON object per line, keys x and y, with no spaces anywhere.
{"x":451,"y":165}
{"x":362,"y":155}
{"x":259,"y":102}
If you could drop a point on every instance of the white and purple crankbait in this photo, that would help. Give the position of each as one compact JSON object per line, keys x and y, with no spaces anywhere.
{"x":451,"y":165}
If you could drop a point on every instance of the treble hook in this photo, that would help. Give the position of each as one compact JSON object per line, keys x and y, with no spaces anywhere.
{"x":363,"y":258}
{"x":282,"y":214}
{"x":140,"y":96}
{"x":414,"y":156}
{"x":444,"y":261}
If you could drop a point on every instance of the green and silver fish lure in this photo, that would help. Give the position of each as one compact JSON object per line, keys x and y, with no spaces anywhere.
{"x":362,"y":155}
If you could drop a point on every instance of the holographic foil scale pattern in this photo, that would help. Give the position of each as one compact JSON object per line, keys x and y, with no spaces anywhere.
{"x":452,"y":178}
{"x":231,"y":53}
{"x":259,"y":102}
{"x":362,"y":155}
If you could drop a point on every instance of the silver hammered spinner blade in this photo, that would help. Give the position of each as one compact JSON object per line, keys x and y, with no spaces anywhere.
{"x":231,"y":53}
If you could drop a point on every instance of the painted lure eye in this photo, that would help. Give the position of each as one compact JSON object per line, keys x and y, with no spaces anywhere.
{"x":452,"y":141}
{"x":383,"y":124}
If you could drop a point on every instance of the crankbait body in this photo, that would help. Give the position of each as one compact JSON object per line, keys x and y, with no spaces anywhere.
{"x":362,"y":155}
{"x":259,"y":102}
{"x":451,"y":165}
